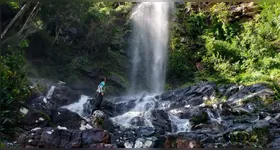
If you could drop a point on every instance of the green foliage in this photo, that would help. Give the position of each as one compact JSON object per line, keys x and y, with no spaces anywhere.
{"x":186,"y":45}
{"x":14,"y":89}
{"x":14,"y":5}
{"x":234,"y":51}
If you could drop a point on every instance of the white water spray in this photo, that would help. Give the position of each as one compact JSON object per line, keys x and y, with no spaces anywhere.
{"x":78,"y":107}
{"x":142,"y":109}
{"x":149,"y":46}
{"x":179,"y":125}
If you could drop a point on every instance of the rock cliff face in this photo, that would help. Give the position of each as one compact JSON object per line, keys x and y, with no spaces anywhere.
{"x":202,"y":115}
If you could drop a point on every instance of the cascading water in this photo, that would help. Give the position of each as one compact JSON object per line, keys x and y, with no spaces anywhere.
{"x":149,"y":57}
{"x":78,"y":107}
{"x":140,"y":113}
{"x":149,"y":46}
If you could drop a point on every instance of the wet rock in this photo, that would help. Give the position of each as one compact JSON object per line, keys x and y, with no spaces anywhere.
{"x":212,"y":126}
{"x":138,"y":121}
{"x":239,"y":126}
{"x":123,"y":106}
{"x":145,"y":131}
{"x":187,"y":143}
{"x":60,"y":138}
{"x":139,"y":143}
{"x":88,"y":107}
{"x":245,"y":119}
{"x":263,"y":115}
{"x":35,"y":109}
{"x":190,"y":112}
{"x":261,"y":124}
{"x":274,"y":133}
{"x":63,"y":95}
{"x":95,"y":136}
{"x":102,"y":145}
{"x":247,"y":93}
{"x":98,"y":118}
{"x":240,"y":110}
{"x":44,"y":114}
{"x":273,"y":108}
{"x":181,"y":141}
{"x":148,"y":142}
{"x":170,"y":141}
{"x":101,"y":120}
{"x":66,"y":118}
{"x":192,"y":95}
{"x":107,"y":107}
{"x":128,"y":144}
{"x":274,"y":144}
{"x":201,"y":118}
{"x":35,"y":119}
{"x":159,"y":142}
{"x":160,"y":121}
{"x":271,"y":120}
{"x":239,"y":136}
{"x":230,"y":90}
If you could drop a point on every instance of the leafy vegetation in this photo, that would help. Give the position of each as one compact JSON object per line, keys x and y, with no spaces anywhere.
{"x":231,"y":50}
{"x":14,"y":90}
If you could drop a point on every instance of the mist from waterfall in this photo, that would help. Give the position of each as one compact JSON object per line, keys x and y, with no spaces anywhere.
{"x":149,"y":46}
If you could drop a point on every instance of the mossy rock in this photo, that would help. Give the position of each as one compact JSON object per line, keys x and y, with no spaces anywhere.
{"x":202,"y":118}
{"x":239,"y":136}
{"x":258,"y":137}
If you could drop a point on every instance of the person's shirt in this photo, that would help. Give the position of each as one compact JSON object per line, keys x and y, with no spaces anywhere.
{"x":101,"y":87}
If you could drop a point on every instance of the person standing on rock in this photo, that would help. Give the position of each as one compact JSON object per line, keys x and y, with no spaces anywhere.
{"x":99,"y":94}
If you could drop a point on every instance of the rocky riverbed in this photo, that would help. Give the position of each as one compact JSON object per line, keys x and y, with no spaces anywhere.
{"x":200,"y":116}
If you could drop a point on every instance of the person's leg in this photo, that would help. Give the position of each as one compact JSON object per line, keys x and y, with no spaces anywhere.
{"x":101,"y":99}
{"x":95,"y":103}
{"x":98,"y":101}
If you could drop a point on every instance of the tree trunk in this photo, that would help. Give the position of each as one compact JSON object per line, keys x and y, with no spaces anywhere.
{"x":21,"y":11}
{"x":57,"y":31}
{"x":28,"y":19}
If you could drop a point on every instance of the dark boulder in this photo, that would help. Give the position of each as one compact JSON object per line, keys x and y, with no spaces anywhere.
{"x":160,"y":121}
{"x":64,"y":95}
{"x":61,"y":138}
{"x":273,"y":108}
{"x":102,"y":145}
{"x":274,"y":144}
{"x":66,"y":118}
{"x":100,"y":119}
{"x":36,"y":113}
{"x":247,"y":93}
{"x":200,"y":118}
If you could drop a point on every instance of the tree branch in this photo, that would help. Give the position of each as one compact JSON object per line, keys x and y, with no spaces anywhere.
{"x":21,"y":11}
{"x":28,"y":19}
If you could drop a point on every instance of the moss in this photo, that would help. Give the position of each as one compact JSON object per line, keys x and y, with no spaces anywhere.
{"x":260,"y":136}
{"x":202,"y":118}
{"x":167,"y":86}
{"x":239,"y":136}
{"x":256,"y":138}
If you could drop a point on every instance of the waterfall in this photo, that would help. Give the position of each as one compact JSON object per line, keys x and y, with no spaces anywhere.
{"x":148,"y":51}
{"x":150,"y":34}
